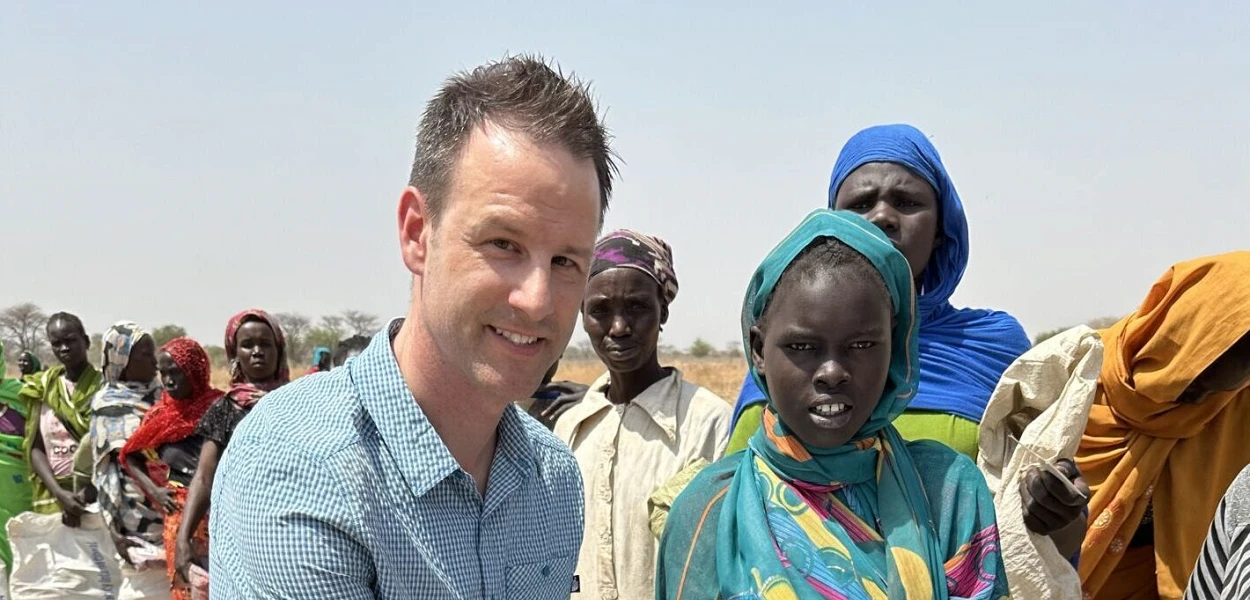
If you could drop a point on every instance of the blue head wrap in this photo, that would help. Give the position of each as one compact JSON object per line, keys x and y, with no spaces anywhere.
{"x":963,"y":352}
{"x":319,"y":353}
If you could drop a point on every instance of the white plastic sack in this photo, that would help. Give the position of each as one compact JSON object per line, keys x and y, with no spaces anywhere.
{"x":55,"y":562}
{"x":1043,"y":400}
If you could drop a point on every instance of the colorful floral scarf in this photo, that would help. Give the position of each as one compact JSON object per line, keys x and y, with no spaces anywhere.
{"x":852,"y":521}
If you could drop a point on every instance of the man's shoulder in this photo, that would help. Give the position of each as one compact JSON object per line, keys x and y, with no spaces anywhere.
{"x":550,"y":453}
{"x":317,"y":415}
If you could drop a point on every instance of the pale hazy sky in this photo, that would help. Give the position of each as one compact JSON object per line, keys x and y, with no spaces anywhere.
{"x":176,"y":164}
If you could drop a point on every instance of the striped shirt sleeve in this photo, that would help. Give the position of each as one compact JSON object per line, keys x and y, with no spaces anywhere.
{"x":1223,"y":568}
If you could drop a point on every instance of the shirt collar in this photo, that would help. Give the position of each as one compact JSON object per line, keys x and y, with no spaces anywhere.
{"x":659,"y":402}
{"x":420,"y":454}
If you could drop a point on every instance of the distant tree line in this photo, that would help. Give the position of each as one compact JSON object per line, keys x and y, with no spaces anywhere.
{"x":700,"y":348}
{"x":23,"y":327}
{"x":1099,"y":323}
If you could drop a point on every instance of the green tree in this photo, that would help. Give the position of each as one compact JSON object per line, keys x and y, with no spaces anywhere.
{"x":216,"y":357}
{"x":360,"y":323}
{"x":1098,"y":323}
{"x":332,"y":324}
{"x":295,"y":329}
{"x":701,"y":349}
{"x":579,"y":351}
{"x":1103,"y":322}
{"x":317,"y":336}
{"x":1049,"y":333}
{"x":96,"y":351}
{"x":161,"y":335}
{"x":22,"y":326}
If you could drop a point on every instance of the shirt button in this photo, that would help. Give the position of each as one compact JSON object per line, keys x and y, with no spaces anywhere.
{"x":546,"y":570}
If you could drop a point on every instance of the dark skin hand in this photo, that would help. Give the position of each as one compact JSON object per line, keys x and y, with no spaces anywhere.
{"x":198,"y":496}
{"x":547,"y":411}
{"x":123,"y":546}
{"x":566,"y":394}
{"x":163,"y":498}
{"x":1052,"y":508}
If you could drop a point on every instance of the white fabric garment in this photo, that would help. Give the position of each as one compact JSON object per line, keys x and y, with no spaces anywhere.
{"x":55,"y":562}
{"x":625,"y":452}
{"x":1043,"y":400}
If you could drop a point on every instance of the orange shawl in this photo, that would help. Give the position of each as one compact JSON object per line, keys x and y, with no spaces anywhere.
{"x":1140,"y":444}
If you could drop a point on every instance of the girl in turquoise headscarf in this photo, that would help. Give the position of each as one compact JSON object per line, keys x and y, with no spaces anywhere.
{"x":827,"y":501}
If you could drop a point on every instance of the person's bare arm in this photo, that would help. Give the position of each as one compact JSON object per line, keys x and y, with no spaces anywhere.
{"x":137,"y":467}
{"x":72,"y":508}
{"x":199,"y":496}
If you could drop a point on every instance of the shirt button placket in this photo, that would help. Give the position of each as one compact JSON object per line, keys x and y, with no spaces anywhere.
{"x":606,"y":481}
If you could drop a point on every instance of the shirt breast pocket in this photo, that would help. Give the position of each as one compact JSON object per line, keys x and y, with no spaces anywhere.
{"x":550,"y":578}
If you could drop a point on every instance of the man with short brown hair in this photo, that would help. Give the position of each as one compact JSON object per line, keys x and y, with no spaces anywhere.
{"x":409,"y":473}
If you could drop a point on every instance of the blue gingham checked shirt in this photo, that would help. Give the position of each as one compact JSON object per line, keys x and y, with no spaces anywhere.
{"x":337,"y":487}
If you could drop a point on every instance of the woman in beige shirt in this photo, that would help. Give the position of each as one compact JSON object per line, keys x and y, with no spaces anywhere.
{"x":640,"y":423}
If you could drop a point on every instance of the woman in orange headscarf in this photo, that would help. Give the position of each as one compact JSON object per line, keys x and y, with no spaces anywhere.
{"x":1166,"y":433}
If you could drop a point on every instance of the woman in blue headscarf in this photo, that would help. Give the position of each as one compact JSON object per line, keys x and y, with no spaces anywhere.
{"x":894,"y":177}
{"x":828,"y":501}
{"x":320,"y":361}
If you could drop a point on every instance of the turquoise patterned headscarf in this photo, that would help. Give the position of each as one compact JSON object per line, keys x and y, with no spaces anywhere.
{"x":846,"y":522}
{"x":868,"y":240}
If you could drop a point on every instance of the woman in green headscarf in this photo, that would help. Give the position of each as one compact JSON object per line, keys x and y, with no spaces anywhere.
{"x":14,"y":470}
{"x":60,"y":404}
{"x":28,"y":363}
{"x":827,"y":501}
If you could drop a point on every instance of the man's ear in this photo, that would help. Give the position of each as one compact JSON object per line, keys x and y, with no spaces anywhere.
{"x":415,"y":229}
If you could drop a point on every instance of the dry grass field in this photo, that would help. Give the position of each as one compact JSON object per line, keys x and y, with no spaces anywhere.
{"x":721,"y":375}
